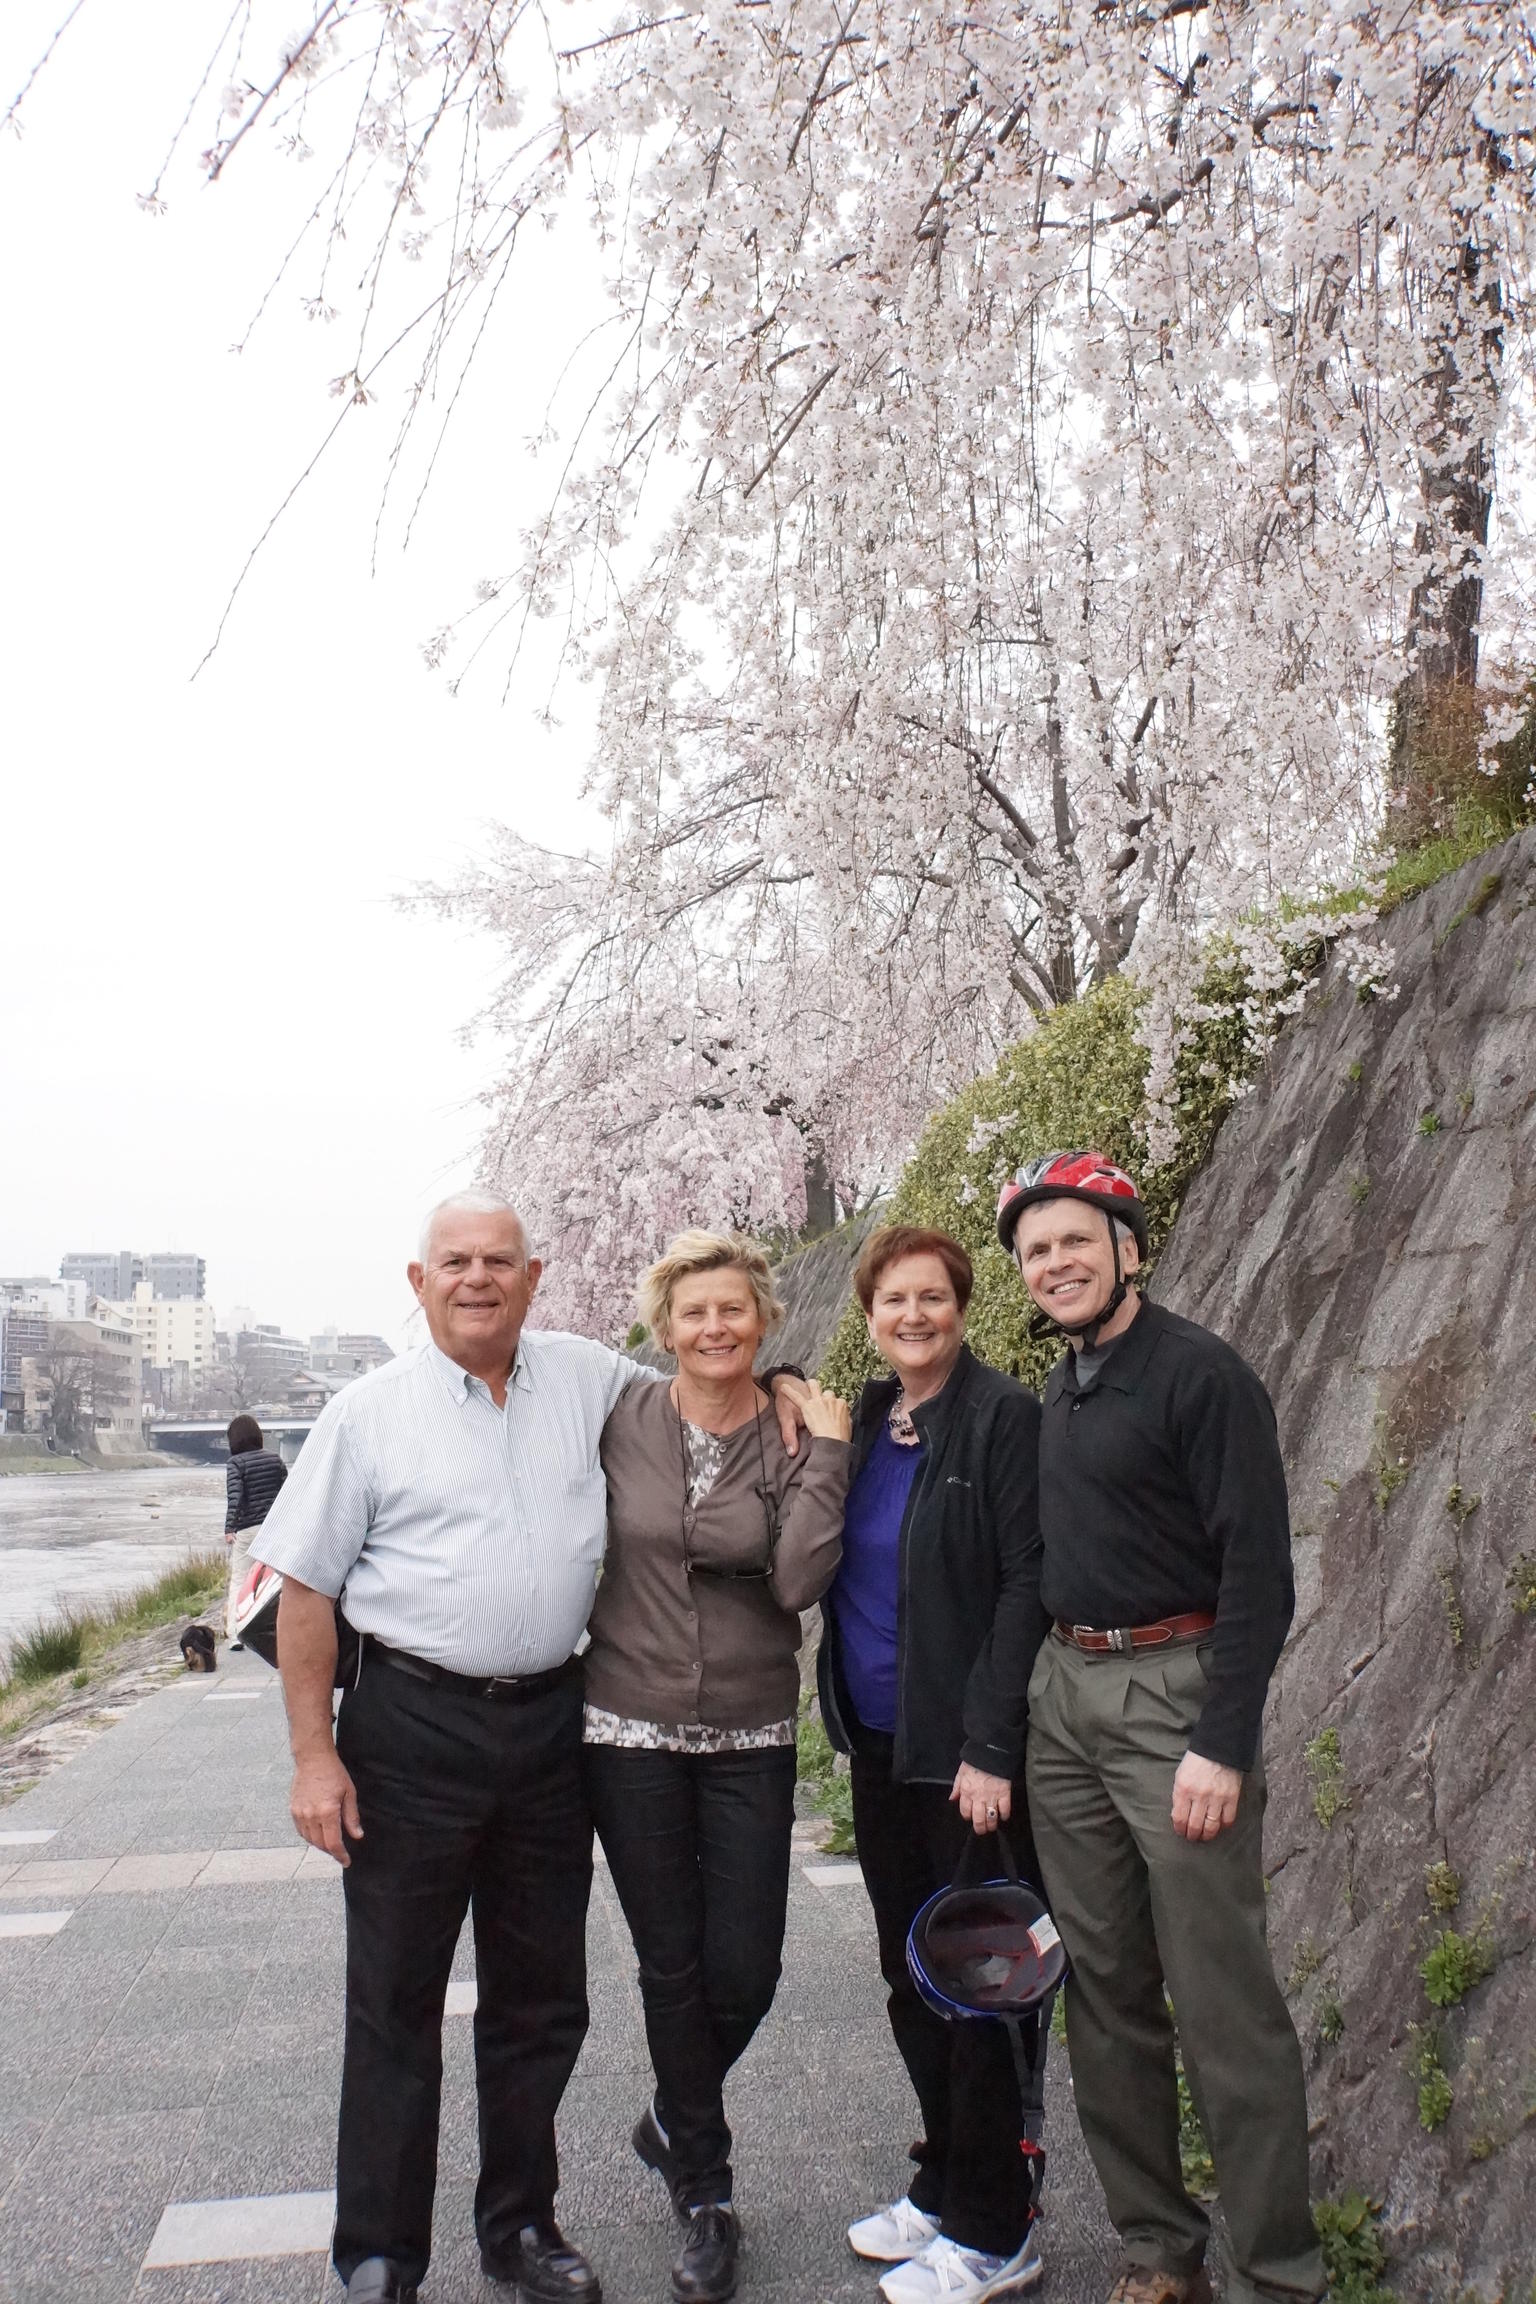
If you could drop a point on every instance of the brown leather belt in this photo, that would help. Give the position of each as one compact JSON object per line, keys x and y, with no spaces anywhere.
{"x":1131,"y":1637}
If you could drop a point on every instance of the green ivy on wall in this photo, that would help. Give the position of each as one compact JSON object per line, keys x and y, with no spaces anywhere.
{"x":1077,"y":1081}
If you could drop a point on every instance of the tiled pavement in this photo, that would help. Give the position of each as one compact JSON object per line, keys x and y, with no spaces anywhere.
{"x":173,"y":2040}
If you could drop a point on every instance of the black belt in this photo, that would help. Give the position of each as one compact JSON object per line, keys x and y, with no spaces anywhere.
{"x":500,"y":1687}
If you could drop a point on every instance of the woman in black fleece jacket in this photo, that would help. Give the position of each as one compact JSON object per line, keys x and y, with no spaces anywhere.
{"x":928,"y":1635}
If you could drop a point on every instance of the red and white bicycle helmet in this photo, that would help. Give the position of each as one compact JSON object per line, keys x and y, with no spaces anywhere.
{"x":1072,"y":1176}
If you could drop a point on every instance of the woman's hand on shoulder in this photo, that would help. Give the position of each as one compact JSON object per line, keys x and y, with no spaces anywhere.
{"x":826,"y":1416}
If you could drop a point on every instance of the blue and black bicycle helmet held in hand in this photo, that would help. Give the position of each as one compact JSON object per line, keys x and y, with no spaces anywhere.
{"x":988,"y":1950}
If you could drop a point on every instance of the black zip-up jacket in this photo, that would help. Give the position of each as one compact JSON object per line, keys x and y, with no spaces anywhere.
{"x":251,"y":1482}
{"x":968,"y":1618}
{"x":1162,"y":1491}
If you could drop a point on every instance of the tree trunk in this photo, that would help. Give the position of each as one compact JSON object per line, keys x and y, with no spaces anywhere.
{"x":1434,"y":720}
{"x":820,"y":1198}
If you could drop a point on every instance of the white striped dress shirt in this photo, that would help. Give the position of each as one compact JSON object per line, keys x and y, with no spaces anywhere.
{"x":459,"y":1531}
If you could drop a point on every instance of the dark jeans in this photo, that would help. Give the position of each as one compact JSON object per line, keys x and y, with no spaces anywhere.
{"x":971,"y":2174}
{"x":465,"y":1805}
{"x":698,"y":1849}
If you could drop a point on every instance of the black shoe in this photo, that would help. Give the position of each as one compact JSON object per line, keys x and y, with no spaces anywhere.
{"x":705,"y":2272}
{"x":656,"y":2152}
{"x":545,"y":2269}
{"x":377,"y":2281}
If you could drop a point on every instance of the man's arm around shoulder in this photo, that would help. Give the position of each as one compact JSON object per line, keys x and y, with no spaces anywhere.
{"x":323,"y":1798}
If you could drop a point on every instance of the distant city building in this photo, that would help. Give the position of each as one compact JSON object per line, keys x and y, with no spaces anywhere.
{"x":23,"y":1335}
{"x":176,"y":1337}
{"x":334,"y":1353}
{"x":267,"y":1359}
{"x":176,"y":1279}
{"x":113,"y":1404}
{"x":29,"y":1310}
{"x":114,"y":1277}
{"x":59,"y":1299}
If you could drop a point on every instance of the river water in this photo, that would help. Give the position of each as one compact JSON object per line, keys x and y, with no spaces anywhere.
{"x":87,"y":1536}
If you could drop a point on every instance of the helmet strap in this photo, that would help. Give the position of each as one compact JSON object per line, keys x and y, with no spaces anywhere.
{"x":1089,"y":1330}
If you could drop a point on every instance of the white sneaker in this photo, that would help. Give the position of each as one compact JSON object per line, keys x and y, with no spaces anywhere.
{"x":893,"y":2235}
{"x":946,"y":2273}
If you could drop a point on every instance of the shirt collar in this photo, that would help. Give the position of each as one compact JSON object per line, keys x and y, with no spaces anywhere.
{"x":459,"y":1381}
{"x":1127,"y":1361}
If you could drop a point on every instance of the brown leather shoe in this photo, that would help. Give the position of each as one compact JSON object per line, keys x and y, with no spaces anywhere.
{"x":1144,"y":2284}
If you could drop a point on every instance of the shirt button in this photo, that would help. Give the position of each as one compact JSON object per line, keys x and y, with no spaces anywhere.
{"x":692,"y":1618}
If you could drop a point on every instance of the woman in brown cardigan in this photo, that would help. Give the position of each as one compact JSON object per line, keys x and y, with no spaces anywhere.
{"x":716,"y":1541}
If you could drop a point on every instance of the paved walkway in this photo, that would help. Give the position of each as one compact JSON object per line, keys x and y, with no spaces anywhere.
{"x":170,"y":2030}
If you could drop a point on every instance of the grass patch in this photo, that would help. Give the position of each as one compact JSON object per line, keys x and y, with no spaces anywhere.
{"x":1475,"y":831}
{"x":50,"y":1648}
{"x":1325,"y":1766}
{"x":1454,"y":1964}
{"x":1520,"y":1583}
{"x":1442,"y":1887}
{"x":69,"y":1646}
{"x":825,"y":1774}
{"x":1450,"y":1600}
{"x":1305,"y":1963}
{"x":1353,"y":2256}
{"x":1390,"y":1464}
{"x":1436,"y":2095}
{"x":1195,"y":2162}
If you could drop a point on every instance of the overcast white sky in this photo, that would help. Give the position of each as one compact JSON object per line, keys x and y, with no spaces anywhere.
{"x":216,"y":1032}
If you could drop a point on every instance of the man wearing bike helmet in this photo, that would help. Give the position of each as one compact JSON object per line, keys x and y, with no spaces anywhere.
{"x":1167,"y":1594}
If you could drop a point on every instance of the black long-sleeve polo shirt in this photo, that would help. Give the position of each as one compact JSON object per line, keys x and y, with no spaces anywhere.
{"x":1161,"y":1493}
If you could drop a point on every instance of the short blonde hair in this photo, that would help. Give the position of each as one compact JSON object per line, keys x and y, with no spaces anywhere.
{"x":701,"y":1251}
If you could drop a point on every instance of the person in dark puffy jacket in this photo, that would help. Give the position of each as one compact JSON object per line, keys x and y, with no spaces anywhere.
{"x":252,"y":1479}
{"x":927,"y":1634}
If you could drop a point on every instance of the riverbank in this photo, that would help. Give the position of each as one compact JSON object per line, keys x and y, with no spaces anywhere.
{"x":79,"y":1669}
{"x":20,"y":1456}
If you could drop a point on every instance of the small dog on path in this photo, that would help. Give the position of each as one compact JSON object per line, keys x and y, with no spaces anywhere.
{"x":199,"y":1649}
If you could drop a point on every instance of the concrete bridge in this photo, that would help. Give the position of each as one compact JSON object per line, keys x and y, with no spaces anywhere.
{"x":207,"y":1442}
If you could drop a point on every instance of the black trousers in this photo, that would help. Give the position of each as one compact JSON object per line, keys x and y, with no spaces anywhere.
{"x":971,"y":2174}
{"x":698,"y":1850}
{"x":466,"y":1805}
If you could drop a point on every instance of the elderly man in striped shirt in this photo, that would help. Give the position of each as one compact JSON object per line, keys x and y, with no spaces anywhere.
{"x":455,"y":1497}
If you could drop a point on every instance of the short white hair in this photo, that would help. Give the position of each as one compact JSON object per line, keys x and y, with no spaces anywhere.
{"x":474,"y":1203}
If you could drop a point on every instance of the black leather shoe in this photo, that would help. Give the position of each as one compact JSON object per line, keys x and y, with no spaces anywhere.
{"x":705,"y":2272}
{"x":377,"y":2281}
{"x":545,"y":2269}
{"x":656,"y":2152}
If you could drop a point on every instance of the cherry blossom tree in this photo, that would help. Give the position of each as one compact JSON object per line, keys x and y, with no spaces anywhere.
{"x":1039,"y":449}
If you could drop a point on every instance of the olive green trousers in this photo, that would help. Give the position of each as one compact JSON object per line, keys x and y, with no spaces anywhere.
{"x":1146,"y":1915}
